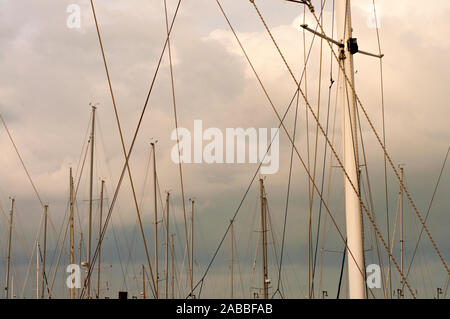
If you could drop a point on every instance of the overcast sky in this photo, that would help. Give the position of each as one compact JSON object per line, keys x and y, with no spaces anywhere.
{"x":49,"y":74}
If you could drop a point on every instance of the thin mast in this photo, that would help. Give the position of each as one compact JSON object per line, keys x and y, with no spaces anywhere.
{"x":156,"y":221}
{"x":99,"y":237}
{"x":191,"y":270}
{"x":173,"y":267}
{"x":263,"y":239}
{"x":167,"y":246}
{"x":12,"y":287}
{"x":80,"y":251}
{"x":8,"y":262}
{"x":44,"y":253}
{"x":351,"y":163}
{"x":231,"y":262}
{"x":401,"y":229}
{"x":91,"y":180}
{"x":143,"y":282}
{"x":72,"y":233}
{"x":37,"y":269}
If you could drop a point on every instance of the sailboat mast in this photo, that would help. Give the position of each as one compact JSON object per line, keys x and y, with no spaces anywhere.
{"x":72,"y":233}
{"x":80,"y":248}
{"x":156,"y":221}
{"x":37,"y":269}
{"x":231,"y":262}
{"x":263,"y":239}
{"x":167,"y":246}
{"x":99,"y":239}
{"x":173,"y":267}
{"x":8,"y":262}
{"x":144,"y":296}
{"x":44,"y":253}
{"x":401,"y":230}
{"x":192,"y":252}
{"x":91,"y":180}
{"x":12,"y":287}
{"x":351,"y":163}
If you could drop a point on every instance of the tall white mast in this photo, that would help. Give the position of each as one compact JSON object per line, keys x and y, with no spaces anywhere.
{"x":353,"y":215}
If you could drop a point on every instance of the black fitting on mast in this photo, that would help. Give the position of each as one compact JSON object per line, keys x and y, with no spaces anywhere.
{"x":352,"y":45}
